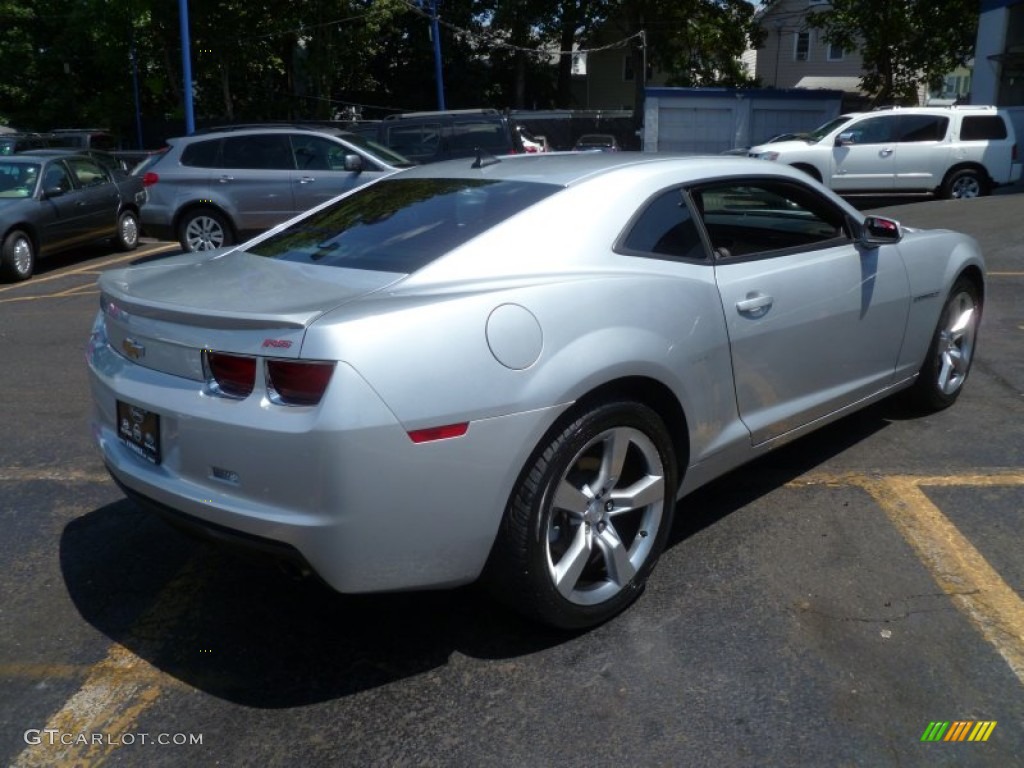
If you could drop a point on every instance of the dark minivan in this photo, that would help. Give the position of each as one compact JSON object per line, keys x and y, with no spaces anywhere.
{"x":427,"y":137}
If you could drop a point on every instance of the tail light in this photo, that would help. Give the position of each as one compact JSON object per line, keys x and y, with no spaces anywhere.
{"x":230,"y":375}
{"x":298,"y":382}
{"x":149,"y":178}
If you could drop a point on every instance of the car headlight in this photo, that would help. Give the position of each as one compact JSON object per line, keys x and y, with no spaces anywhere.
{"x":768,"y":155}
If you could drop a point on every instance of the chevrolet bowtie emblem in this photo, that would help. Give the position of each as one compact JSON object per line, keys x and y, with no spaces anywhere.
{"x":133,"y":349}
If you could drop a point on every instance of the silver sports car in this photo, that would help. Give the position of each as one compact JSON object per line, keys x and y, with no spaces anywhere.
{"x":513,"y":369}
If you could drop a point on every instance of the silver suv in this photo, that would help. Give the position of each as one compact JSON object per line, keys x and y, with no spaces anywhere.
{"x":213,"y":189}
{"x":955,"y":152}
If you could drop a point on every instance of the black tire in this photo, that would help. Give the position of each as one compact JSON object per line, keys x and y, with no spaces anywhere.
{"x":945,"y":369}
{"x":964,"y":184}
{"x":17,"y":256}
{"x":203,"y":229}
{"x":532,"y":566}
{"x":127,"y":237}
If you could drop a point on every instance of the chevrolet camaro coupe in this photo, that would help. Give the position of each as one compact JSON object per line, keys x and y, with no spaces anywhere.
{"x":510,"y":370}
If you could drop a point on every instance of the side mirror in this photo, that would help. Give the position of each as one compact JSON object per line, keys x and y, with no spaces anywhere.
{"x":353,"y":163}
{"x":877,"y":231}
{"x":845,"y":139}
{"x":53,"y":192}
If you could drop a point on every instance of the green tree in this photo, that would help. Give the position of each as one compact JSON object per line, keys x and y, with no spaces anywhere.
{"x":903,"y":43}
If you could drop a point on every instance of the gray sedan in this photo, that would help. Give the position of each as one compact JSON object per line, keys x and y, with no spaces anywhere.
{"x":51,"y":203}
{"x":511,"y":370}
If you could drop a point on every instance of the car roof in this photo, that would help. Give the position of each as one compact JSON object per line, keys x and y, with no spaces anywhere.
{"x":568,"y":168}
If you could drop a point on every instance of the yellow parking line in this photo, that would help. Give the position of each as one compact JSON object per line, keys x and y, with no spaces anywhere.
{"x":972,"y":584}
{"x":92,"y":266}
{"x":117,"y":690}
{"x":1005,"y":274}
{"x":27,"y":474}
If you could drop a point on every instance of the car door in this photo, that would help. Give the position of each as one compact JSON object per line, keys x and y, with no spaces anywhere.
{"x":320,"y":170}
{"x":255,"y":180}
{"x":922,"y":152}
{"x":814,"y":323}
{"x":97,"y":198}
{"x":864,"y":156}
{"x":60,"y":211}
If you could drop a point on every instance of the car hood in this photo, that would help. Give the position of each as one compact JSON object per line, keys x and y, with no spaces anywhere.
{"x":236,"y":289}
{"x":782,"y":146}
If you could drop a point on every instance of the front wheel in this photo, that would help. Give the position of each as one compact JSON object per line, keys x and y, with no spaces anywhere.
{"x":951,"y":353}
{"x":17,"y":256}
{"x":589,"y":518}
{"x":203,"y":230}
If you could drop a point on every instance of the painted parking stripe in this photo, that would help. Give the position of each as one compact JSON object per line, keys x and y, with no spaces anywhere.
{"x":29,"y":474}
{"x":972,"y":585}
{"x":118,"y":689}
{"x":92,"y":266}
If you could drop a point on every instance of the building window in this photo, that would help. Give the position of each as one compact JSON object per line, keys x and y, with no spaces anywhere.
{"x":835,"y":52}
{"x":803,"y":46}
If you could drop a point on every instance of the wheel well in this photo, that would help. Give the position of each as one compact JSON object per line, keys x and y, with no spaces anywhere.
{"x":654,"y":395}
{"x":810,"y":170}
{"x":190,"y":207}
{"x":973,"y":274}
{"x":28,"y":229}
{"x":968,"y":167}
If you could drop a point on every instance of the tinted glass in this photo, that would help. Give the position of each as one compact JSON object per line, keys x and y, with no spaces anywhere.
{"x":665,"y":228}
{"x":315,"y":153}
{"x":202,"y":154}
{"x":56,"y":177}
{"x":922,"y":128}
{"x":417,"y":141}
{"x":745,"y":218}
{"x":400,"y":225}
{"x":260,"y":152}
{"x":490,"y":135}
{"x":873,"y":130}
{"x":87,"y":172}
{"x":982,"y":128}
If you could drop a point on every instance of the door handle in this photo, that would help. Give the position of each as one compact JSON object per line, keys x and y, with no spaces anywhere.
{"x":225,"y":179}
{"x":755,"y":305}
{"x":886,"y":152}
{"x":307,"y":180}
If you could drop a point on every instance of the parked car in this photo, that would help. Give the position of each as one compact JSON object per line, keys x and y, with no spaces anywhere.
{"x":210,"y":189}
{"x":112,"y":163}
{"x":85,"y":138}
{"x":429,"y":137}
{"x":51,"y":203}
{"x":955,"y":152}
{"x":513,"y":369}
{"x":14,"y":142}
{"x":599,"y":141}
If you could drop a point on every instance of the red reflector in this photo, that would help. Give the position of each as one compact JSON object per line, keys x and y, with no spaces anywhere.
{"x":234,"y":375}
{"x":439,"y":433}
{"x":298,"y":382}
{"x":149,"y":178}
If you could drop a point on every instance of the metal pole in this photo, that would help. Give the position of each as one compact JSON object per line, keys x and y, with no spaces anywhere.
{"x":435,"y":33}
{"x":135,"y":91}
{"x":186,"y":67}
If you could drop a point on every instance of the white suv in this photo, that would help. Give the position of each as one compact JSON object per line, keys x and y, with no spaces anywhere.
{"x":960,"y":151}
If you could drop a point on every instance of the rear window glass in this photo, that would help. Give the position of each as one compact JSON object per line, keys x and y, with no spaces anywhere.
{"x":922,"y":128}
{"x":982,"y":127}
{"x":201,"y":154}
{"x":400,"y":225}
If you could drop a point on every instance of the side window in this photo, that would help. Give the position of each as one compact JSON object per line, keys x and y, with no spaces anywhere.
{"x":416,"y":141}
{"x":747,"y":218}
{"x":982,"y":128}
{"x":315,"y":153}
{"x":202,"y":154}
{"x":482,"y":134}
{"x":264,"y":152}
{"x":57,"y":177}
{"x":915,"y":128}
{"x":665,"y":228}
{"x":87,"y":172}
{"x":873,"y":130}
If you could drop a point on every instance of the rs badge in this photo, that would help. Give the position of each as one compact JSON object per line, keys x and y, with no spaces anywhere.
{"x":133,"y":349}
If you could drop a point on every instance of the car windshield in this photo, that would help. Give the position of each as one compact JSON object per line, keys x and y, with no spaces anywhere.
{"x":18,"y":179}
{"x":389,"y":156}
{"x":400,"y":225}
{"x":822,"y":131}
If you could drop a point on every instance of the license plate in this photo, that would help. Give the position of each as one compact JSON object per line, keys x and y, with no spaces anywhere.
{"x":140,"y":431}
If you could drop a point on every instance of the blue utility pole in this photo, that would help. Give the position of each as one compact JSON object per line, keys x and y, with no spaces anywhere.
{"x":435,"y":33}
{"x":186,"y":67}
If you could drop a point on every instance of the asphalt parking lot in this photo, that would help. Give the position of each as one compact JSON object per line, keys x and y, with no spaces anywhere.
{"x":824,"y":606}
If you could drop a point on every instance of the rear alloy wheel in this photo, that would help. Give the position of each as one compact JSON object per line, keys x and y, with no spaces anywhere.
{"x":965,"y":183}
{"x":18,"y":256}
{"x":203,"y":230}
{"x":589,"y":518}
{"x":127,"y":231}
{"x":945,"y":370}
